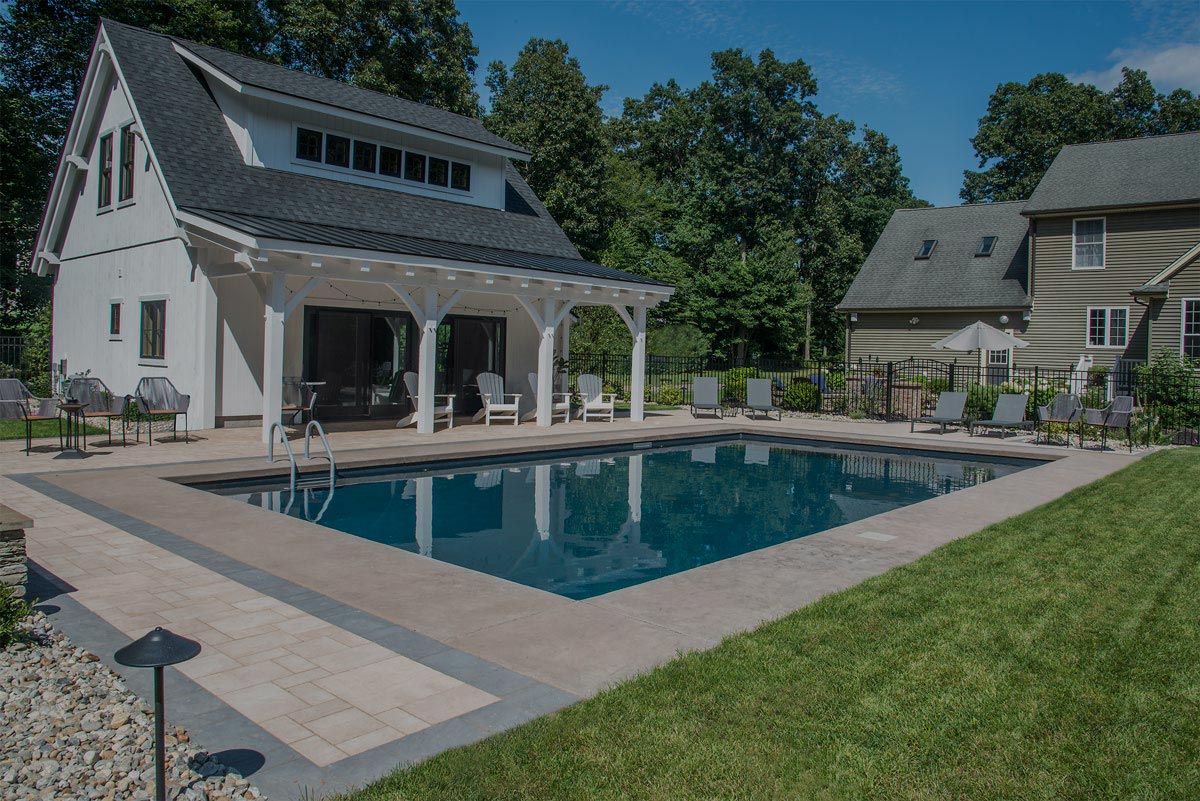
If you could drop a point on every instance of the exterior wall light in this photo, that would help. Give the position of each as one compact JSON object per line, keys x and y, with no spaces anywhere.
{"x":854,"y":317}
{"x":1003,"y":319}
{"x":914,"y":321}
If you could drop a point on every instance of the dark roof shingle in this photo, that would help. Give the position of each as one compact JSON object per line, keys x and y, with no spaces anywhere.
{"x":1151,"y":171}
{"x":206,"y":175}
{"x":953,"y":277}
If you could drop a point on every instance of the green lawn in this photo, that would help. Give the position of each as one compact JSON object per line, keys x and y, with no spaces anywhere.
{"x":15,"y":429}
{"x":1055,"y":655}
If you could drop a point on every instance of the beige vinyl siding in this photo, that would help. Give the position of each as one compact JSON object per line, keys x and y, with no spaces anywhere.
{"x":1167,"y":327}
{"x":890,"y":336}
{"x":1138,"y":244}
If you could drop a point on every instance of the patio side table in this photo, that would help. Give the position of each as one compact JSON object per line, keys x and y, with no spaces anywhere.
{"x":72,"y":427}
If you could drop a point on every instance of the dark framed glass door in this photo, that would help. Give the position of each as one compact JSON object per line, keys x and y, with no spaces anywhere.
{"x":468,"y":346}
{"x":357,"y":358}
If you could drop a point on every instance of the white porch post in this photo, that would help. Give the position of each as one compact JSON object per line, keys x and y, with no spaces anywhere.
{"x":545,"y":393}
{"x":427,"y":362}
{"x":272,"y":378}
{"x":565,"y":351}
{"x":637,"y":382}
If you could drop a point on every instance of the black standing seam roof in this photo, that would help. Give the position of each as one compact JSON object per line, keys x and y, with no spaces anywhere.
{"x":953,"y":277}
{"x":308,"y":233}
{"x":206,"y":175}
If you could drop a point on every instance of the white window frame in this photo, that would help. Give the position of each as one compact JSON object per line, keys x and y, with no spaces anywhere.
{"x":378,"y":176}
{"x":1103,"y":242}
{"x":1108,"y":310}
{"x":1183,"y":303}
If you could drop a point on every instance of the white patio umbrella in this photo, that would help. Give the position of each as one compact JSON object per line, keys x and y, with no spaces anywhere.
{"x":979,"y":336}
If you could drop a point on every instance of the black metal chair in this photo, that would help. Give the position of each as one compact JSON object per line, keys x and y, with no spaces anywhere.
{"x":18,"y":403}
{"x":157,"y":397}
{"x":1063,"y":408}
{"x":102,"y":403}
{"x":1117,"y":414}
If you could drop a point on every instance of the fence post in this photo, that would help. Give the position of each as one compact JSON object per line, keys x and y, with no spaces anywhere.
{"x":888,"y":407}
{"x":953,"y":388}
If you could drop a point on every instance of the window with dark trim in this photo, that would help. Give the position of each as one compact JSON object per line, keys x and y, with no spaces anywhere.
{"x":154,"y":329}
{"x":114,"y":319}
{"x":337,"y":151}
{"x":125,"y":177}
{"x":439,"y":172}
{"x":926,"y":249}
{"x":364,"y":156}
{"x":106,"y":166}
{"x":308,"y":144}
{"x":414,"y":167}
{"x":390,"y":160}
{"x":986,"y":245}
{"x":460,"y":177}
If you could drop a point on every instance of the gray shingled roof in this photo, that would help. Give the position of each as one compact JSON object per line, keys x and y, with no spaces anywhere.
{"x":206,"y":175}
{"x":309,"y":233}
{"x":335,"y":93}
{"x":954,"y":277}
{"x":1154,"y":170}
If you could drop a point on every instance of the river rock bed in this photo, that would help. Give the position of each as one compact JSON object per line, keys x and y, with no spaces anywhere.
{"x":70,"y":729}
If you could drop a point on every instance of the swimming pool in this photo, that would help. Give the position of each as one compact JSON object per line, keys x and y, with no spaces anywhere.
{"x":584,"y":524}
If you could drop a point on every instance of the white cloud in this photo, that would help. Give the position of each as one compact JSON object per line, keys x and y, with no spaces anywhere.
{"x":1169,"y":67}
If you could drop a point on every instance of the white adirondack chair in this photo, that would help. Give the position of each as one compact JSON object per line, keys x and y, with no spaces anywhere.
{"x":495,"y":400}
{"x":595,"y":401}
{"x":441,"y":411}
{"x":560,"y":403}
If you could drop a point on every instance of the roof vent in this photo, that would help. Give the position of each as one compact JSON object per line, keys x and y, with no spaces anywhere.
{"x":926,"y":249}
{"x":986,"y":245}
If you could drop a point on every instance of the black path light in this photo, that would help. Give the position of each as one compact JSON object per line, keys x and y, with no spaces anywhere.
{"x":156,"y":650}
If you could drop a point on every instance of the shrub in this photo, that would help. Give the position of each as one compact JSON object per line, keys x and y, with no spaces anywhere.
{"x":1170,"y":387}
{"x":12,"y":611}
{"x":981,"y":401}
{"x":1098,"y":375}
{"x":835,"y":381}
{"x":936,"y":385}
{"x":612,"y":389}
{"x":802,"y":396}
{"x":670,"y":396}
{"x":735,"y":383}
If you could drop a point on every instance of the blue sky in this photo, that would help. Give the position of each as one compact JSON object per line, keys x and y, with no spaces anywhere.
{"x":921,"y":72}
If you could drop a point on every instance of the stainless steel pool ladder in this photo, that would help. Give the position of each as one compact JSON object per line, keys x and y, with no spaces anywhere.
{"x":294,"y":472}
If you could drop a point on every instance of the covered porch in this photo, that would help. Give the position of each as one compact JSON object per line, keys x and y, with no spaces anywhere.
{"x":350,"y":321}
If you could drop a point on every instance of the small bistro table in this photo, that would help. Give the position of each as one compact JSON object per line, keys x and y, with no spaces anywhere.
{"x":72,"y":427}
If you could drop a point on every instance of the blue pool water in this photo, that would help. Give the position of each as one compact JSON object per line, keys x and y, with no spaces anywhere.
{"x":589,"y":524}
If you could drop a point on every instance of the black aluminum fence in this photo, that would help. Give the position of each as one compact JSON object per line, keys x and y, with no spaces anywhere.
{"x":20,"y":359}
{"x":1168,"y":402}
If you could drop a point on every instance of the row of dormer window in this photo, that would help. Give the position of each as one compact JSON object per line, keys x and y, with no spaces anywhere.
{"x":357,"y":155}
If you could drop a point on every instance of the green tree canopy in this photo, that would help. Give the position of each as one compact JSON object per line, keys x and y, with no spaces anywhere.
{"x":547,"y":106}
{"x":1027,"y":124}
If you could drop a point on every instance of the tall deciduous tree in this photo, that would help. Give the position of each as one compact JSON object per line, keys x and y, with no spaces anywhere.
{"x":1027,"y":124}
{"x":545,"y":104}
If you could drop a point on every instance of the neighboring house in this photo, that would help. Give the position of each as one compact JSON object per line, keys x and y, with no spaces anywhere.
{"x":1101,"y":264}
{"x":237,"y":227}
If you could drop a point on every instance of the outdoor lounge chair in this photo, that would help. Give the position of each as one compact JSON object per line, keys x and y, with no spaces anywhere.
{"x":18,"y":403}
{"x":102,"y":403}
{"x":594,"y":401}
{"x":158,"y":396}
{"x":495,"y":400}
{"x":758,"y":398}
{"x":1063,"y":408}
{"x":706,"y":396}
{"x":1117,"y":414}
{"x":1009,"y":413}
{"x":441,"y":411}
{"x":560,"y":402}
{"x":949,"y":411}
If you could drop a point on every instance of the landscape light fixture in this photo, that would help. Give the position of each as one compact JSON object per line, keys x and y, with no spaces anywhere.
{"x":156,"y":650}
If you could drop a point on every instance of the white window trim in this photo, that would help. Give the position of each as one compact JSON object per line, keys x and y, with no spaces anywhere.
{"x":378,"y":176}
{"x":145,"y":361}
{"x":117,"y":202}
{"x":1183,"y":302}
{"x":111,"y":205}
{"x":1103,"y":243}
{"x":1087,"y":325}
{"x":119,"y":336}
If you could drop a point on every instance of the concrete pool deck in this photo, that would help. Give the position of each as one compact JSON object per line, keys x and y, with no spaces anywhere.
{"x":337,"y":658}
